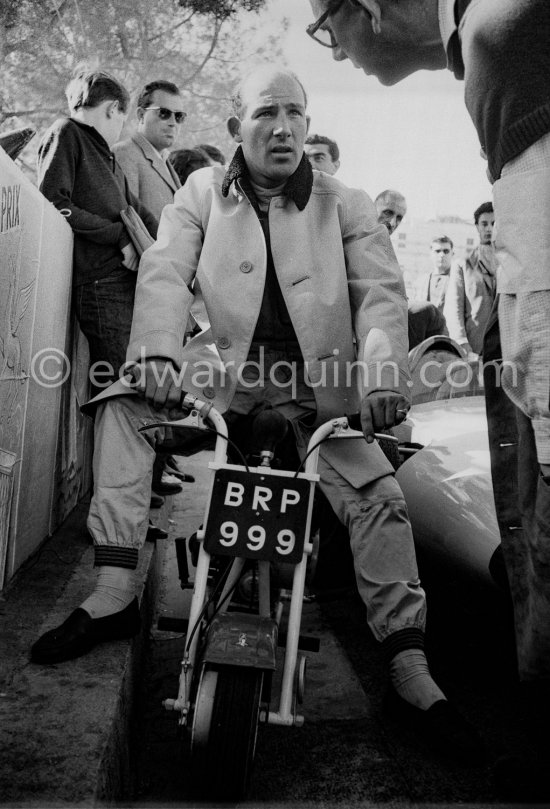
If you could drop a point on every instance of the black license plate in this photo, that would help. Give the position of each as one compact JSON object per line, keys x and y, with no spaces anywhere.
{"x":258,"y":516}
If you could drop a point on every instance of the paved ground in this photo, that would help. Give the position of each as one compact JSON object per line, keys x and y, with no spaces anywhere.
{"x":348,"y":753}
{"x":65,"y":728}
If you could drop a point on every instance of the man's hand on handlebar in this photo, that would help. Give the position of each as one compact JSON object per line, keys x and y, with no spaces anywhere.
{"x":381,"y":410}
{"x":156,"y":379}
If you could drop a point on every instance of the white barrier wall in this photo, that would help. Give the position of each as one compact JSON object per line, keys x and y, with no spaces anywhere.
{"x":44,"y":442}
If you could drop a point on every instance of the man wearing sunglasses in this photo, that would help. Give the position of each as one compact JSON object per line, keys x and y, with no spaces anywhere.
{"x":150,"y":175}
{"x":153,"y":179}
{"x":500,"y":48}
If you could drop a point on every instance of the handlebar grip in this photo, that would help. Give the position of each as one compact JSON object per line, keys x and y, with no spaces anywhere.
{"x":354,"y":422}
{"x":188,"y":401}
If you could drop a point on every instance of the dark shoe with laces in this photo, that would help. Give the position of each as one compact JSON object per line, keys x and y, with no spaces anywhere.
{"x":441,"y":726}
{"x":80,"y":633}
{"x":164,"y":489}
{"x":172,"y":466}
{"x":155,"y":532}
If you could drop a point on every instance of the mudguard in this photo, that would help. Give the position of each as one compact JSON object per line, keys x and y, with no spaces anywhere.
{"x":238,"y":639}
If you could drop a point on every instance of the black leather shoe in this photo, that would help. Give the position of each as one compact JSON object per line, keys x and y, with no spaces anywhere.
{"x":80,"y":633}
{"x":172,"y":466}
{"x":155,"y":532}
{"x":441,"y":726}
{"x":156,"y":501}
{"x":166,"y":488}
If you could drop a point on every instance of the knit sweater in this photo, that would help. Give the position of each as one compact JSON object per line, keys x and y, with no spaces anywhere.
{"x":504,"y":56}
{"x":78,"y":173}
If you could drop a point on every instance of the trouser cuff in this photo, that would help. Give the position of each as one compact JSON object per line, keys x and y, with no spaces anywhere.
{"x":113,"y":556}
{"x":400,"y":641}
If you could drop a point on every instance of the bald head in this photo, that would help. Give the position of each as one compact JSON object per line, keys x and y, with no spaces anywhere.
{"x":270,"y":124}
{"x":253,"y":83}
{"x":391,"y":207}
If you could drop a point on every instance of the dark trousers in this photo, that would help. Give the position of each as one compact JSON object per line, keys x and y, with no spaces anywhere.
{"x":104,"y":311}
{"x":522,"y":500}
{"x":424,"y":320}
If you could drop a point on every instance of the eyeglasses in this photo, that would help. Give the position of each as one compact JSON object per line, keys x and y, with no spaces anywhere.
{"x":321,"y":35}
{"x":165,"y":114}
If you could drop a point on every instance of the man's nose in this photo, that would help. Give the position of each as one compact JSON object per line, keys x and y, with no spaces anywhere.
{"x":282,"y":127}
{"x":338,"y":54}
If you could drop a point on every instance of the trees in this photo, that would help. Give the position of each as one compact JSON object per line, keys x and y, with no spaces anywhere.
{"x":202,"y":45}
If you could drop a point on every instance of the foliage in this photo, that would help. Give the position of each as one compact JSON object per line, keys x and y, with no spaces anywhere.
{"x":201,"y":45}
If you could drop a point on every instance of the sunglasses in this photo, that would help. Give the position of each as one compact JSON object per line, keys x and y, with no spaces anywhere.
{"x":165,"y":114}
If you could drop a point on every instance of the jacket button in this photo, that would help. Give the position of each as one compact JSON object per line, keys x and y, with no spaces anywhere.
{"x":209,"y":393}
{"x":224,"y":342}
{"x":245,"y":266}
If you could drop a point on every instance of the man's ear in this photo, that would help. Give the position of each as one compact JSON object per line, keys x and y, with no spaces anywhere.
{"x":308,"y":121}
{"x":372,"y":7}
{"x":336,"y":164}
{"x":234,"y":128}
{"x":111,"y":108}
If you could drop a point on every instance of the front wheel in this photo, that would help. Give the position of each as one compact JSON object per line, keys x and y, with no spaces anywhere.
{"x":225,"y":729}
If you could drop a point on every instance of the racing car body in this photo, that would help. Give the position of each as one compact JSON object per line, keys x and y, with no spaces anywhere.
{"x":445,"y":472}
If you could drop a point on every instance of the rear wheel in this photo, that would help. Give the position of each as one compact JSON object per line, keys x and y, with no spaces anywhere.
{"x":225,"y":728}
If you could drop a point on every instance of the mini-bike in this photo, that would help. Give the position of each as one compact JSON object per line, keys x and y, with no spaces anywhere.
{"x":255,"y":539}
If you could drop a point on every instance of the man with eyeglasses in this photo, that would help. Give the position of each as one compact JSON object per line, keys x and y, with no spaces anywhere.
{"x":150,"y":175}
{"x":500,"y":48}
{"x":472,"y":287}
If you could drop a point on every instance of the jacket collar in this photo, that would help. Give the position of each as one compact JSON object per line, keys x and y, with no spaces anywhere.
{"x":147,"y":148}
{"x":92,"y":132}
{"x":298,"y":186}
{"x":159,"y":163}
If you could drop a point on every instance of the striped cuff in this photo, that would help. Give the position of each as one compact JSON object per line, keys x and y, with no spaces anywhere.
{"x":410,"y":638}
{"x":113,"y":556}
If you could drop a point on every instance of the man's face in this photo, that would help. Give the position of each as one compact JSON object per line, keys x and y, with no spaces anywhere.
{"x":442,"y":254}
{"x":391,"y":210}
{"x":320,"y":158}
{"x":485,"y":225}
{"x":392,"y":53}
{"x":157,"y":125}
{"x":272,"y":127}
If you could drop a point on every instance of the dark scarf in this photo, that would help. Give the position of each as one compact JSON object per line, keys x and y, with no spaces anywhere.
{"x":298,"y":186}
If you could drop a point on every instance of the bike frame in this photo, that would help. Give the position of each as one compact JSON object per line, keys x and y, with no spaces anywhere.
{"x":285,"y":714}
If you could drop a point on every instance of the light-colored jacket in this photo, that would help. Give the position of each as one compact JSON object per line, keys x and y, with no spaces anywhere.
{"x":337,"y":271}
{"x":469,"y":298}
{"x":152,"y":179}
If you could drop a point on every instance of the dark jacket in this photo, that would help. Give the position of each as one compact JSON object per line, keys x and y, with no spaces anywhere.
{"x":503,"y":53}
{"x":78,"y":173}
